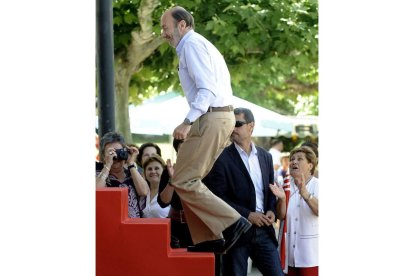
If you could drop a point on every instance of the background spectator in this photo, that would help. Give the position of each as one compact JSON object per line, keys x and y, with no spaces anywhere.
{"x":180,"y":234}
{"x":302,"y":214}
{"x":241,"y":177}
{"x":283,"y":169}
{"x":154,"y":165}
{"x":112,"y":172}
{"x":275,"y":151}
{"x":146,"y":150}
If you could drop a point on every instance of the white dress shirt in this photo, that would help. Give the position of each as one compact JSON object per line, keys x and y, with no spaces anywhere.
{"x":302,"y":228}
{"x":253,"y":167}
{"x":204,"y":75}
{"x":153,"y":209}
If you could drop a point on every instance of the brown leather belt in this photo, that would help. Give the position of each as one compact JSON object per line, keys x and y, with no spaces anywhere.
{"x":227,"y":108}
{"x":177,"y":215}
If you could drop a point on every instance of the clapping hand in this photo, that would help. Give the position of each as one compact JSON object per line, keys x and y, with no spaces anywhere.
{"x":277,"y":190}
{"x":170,"y":168}
{"x":300,"y":181}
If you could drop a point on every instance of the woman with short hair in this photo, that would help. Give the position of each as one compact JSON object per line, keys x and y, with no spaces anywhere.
{"x":302,"y":214}
{"x":117,"y":169}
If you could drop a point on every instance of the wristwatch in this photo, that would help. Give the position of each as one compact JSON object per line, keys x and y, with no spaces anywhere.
{"x":131,"y":166}
{"x":187,"y":122}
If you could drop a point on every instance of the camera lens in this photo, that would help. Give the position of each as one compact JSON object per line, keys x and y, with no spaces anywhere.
{"x":122,"y":154}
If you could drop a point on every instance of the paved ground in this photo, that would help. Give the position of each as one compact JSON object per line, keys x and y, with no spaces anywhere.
{"x":253,"y":270}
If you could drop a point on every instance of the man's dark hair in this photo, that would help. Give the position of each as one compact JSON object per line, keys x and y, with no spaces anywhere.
{"x":248,"y":114}
{"x":179,"y":13}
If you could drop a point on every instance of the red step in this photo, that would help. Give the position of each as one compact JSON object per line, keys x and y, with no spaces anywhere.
{"x":134,"y":246}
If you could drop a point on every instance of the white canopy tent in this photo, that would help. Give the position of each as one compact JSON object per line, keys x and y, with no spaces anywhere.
{"x":161,"y":114}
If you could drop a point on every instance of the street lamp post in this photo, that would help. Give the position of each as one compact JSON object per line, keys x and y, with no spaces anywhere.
{"x":105,"y":66}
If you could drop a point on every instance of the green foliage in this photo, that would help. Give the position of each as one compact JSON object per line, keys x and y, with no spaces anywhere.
{"x":125,"y":20}
{"x":271,"y":48}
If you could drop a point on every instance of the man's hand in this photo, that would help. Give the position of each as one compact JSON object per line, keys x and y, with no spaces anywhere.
{"x":260,"y":219}
{"x":181,"y":131}
{"x":271,"y":216}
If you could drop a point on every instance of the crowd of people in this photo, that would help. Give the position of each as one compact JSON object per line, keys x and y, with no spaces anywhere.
{"x":224,"y":194}
{"x":244,"y":177}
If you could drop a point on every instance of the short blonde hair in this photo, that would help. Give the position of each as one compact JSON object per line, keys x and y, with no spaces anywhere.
{"x":309,"y":155}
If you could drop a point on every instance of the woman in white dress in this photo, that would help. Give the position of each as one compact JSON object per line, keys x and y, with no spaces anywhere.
{"x":302,"y":214}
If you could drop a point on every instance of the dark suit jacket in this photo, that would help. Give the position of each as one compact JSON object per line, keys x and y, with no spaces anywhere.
{"x":230,"y":180}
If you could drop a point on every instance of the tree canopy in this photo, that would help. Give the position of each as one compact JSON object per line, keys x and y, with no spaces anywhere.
{"x":271,"y":49}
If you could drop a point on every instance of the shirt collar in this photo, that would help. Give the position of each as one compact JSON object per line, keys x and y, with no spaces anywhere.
{"x":182,"y":41}
{"x":240,"y":150}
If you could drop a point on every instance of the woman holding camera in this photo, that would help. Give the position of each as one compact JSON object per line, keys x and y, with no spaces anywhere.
{"x":119,"y":170}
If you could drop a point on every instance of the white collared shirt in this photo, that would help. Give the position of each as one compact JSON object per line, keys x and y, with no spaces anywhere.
{"x":153,"y":209}
{"x":253,"y":167}
{"x":204,"y":75}
{"x":302,"y":228}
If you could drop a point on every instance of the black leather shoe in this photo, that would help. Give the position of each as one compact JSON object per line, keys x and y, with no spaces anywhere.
{"x":234,"y":232}
{"x":216,"y":246}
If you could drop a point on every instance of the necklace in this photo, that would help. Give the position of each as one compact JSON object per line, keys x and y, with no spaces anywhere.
{"x":296,"y":189}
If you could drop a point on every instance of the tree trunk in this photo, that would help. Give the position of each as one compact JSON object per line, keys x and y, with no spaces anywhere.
{"x":142,"y":45}
{"x":122,"y":78}
{"x":123,"y":72}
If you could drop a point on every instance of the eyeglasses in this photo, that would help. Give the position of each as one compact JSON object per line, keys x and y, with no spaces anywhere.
{"x":240,"y":123}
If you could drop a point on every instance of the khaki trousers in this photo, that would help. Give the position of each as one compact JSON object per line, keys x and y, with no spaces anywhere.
{"x":207,"y":215}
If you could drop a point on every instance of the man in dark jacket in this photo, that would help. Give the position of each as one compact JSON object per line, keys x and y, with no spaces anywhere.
{"x":241,"y":176}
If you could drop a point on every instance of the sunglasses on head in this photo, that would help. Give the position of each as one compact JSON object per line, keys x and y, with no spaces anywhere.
{"x":240,"y":123}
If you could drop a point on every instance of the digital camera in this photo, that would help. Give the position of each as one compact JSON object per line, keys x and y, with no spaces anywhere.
{"x":121,"y":154}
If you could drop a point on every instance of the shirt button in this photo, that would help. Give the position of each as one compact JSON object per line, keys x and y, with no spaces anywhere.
{"x":298,"y":205}
{"x":294,"y":233}
{"x":296,"y":219}
{"x":293,"y":246}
